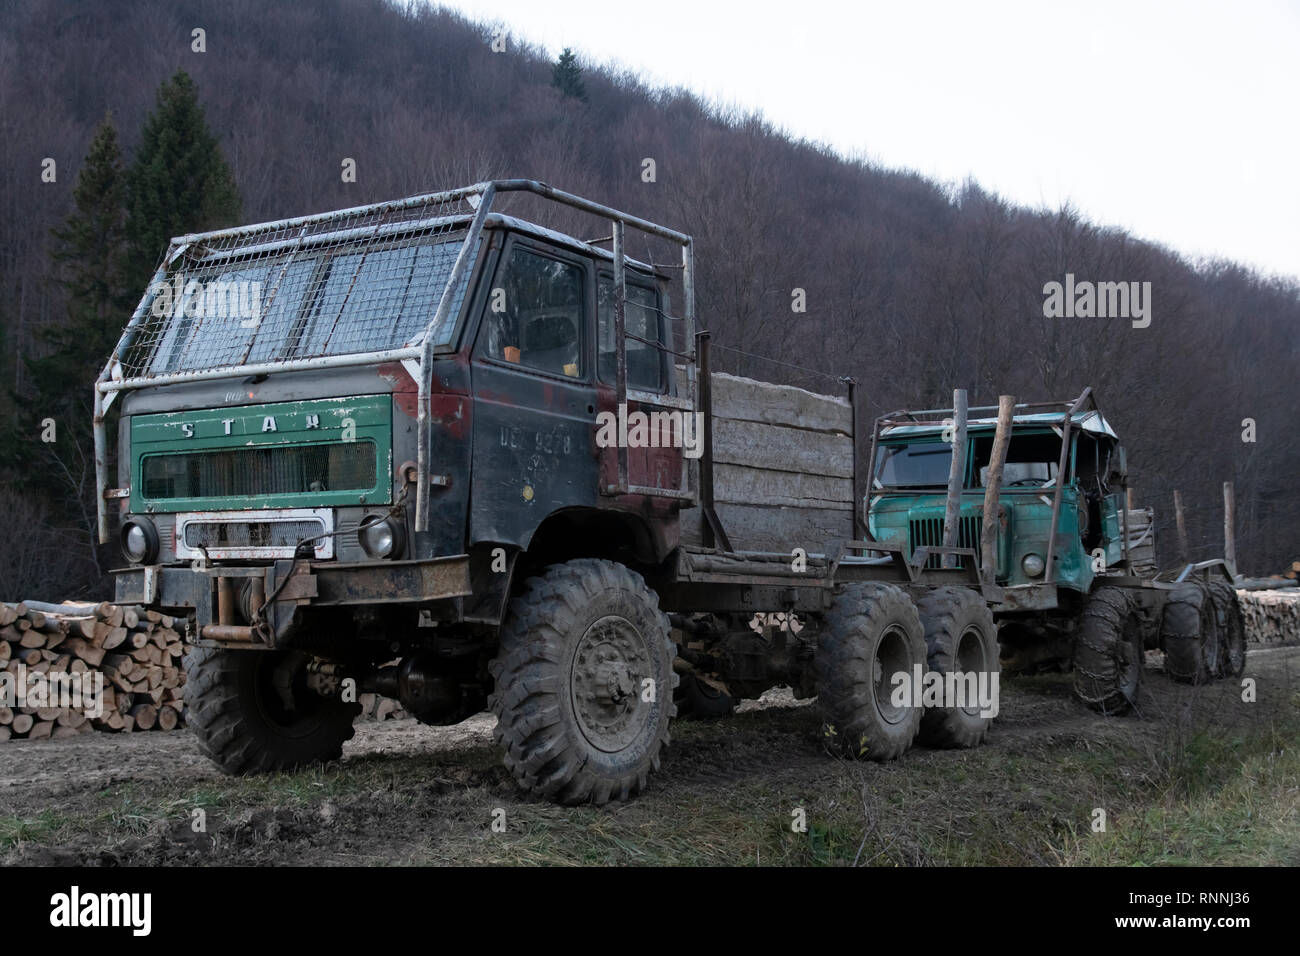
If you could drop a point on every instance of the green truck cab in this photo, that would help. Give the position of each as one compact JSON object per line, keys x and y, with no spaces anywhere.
{"x":1075,"y":473}
{"x":1077,"y":585}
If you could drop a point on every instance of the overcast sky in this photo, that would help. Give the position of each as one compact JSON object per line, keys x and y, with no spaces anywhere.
{"x":1179,"y":121}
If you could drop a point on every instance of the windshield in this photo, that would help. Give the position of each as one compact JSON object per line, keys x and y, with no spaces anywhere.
{"x":1031,"y":460}
{"x":300,"y":304}
{"x":916,"y":465}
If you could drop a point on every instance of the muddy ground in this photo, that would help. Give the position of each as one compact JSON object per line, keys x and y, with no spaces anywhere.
{"x":1199,"y":776}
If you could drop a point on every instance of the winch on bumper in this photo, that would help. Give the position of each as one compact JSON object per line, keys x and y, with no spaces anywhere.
{"x":255,"y":606}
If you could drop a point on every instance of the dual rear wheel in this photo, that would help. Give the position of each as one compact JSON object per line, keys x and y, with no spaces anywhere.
{"x":1203,"y":633}
{"x":878,"y":648}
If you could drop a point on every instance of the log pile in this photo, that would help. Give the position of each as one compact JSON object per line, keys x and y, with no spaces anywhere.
{"x":137,"y":653}
{"x":1271,"y":616}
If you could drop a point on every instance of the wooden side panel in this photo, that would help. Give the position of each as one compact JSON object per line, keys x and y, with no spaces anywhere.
{"x":783,"y":467}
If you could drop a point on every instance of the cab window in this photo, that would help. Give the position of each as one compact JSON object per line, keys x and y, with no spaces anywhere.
{"x":642,"y":323}
{"x":534,"y":314}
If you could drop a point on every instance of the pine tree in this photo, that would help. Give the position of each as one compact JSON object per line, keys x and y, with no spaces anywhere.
{"x":179,"y":182}
{"x":90,"y":257}
{"x":566,"y":76}
{"x":89,"y":262}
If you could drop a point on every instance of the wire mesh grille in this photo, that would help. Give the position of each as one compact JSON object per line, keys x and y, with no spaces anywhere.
{"x":245,"y":472}
{"x":358,"y":281}
{"x":250,"y":534}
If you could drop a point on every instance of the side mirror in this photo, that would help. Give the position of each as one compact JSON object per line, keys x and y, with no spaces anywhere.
{"x":1121,"y":461}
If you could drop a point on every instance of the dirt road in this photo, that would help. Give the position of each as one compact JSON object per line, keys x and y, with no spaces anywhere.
{"x":732,"y":791}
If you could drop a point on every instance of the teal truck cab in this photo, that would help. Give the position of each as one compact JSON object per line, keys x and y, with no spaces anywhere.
{"x":1075,"y":564}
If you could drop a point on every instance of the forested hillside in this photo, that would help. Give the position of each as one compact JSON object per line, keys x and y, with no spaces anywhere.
{"x":912,"y":287}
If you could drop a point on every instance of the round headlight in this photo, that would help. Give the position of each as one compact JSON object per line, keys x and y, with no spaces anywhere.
{"x":1033,"y":565}
{"x":380,"y":536}
{"x":139,"y":540}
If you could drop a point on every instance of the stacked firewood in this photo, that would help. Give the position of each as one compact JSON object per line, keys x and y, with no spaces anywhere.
{"x":137,"y":653}
{"x":1271,"y":616}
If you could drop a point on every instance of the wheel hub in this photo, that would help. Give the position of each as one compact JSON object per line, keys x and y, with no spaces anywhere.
{"x":609,"y":665}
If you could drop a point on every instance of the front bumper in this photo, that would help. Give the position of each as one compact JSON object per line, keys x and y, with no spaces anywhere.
{"x":208,"y":593}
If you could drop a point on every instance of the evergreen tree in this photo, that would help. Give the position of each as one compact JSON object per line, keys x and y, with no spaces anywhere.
{"x":90,"y":259}
{"x":89,"y":263}
{"x":50,"y":447}
{"x":179,"y":182}
{"x":566,"y":76}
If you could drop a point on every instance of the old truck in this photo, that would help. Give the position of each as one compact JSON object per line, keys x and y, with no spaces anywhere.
{"x":436,"y":451}
{"x":1076,"y":565}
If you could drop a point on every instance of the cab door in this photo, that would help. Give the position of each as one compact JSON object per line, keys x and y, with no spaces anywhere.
{"x":534,"y":392}
{"x":657,"y":430}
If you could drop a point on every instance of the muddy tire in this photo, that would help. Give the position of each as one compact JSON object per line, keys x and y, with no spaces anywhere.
{"x":872,"y":632}
{"x":1190,"y":635}
{"x":1231,"y":628}
{"x":235,"y":705}
{"x":578,"y":643}
{"x":698,"y":701}
{"x":960,"y":636}
{"x":1108,"y":654}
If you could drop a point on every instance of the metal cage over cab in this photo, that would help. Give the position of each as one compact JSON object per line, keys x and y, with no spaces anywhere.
{"x":360,"y":286}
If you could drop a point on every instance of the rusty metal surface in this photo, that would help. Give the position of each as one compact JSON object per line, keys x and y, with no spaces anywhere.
{"x":227,"y":633}
{"x":391,"y":582}
{"x":1029,"y":597}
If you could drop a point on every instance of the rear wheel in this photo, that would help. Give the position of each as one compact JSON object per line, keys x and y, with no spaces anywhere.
{"x":960,"y":638}
{"x":584,"y":683}
{"x":872,"y":635}
{"x":1231,"y":627}
{"x":1108,"y":652}
{"x":1189,"y":634}
{"x":252,"y":711}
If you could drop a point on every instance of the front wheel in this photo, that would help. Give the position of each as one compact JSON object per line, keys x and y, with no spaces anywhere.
{"x":866,"y":657}
{"x":584,"y":683}
{"x":252,"y":711}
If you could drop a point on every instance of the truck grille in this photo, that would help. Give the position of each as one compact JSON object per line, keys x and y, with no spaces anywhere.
{"x":250,"y":534}
{"x":255,"y":471}
{"x":929,"y":531}
{"x":256,"y":534}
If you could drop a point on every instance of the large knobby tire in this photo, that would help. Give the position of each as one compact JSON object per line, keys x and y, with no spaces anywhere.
{"x":1108,"y":653}
{"x":1190,"y":635}
{"x":575,"y":715}
{"x":960,"y":638}
{"x":236,"y":709}
{"x":872,"y":633}
{"x":1231,"y":629}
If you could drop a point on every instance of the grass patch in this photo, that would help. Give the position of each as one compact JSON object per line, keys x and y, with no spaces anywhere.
{"x":1204,"y":780}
